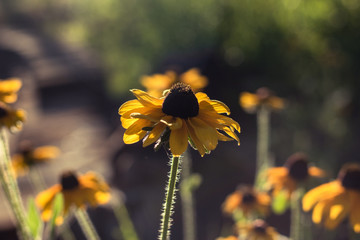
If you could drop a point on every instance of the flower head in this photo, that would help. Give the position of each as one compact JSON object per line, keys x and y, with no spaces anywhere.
{"x":11,"y":118}
{"x":247,"y":200}
{"x":9,"y":89}
{"x":29,"y":156}
{"x":295,"y":170}
{"x":158,"y":83}
{"x":263,"y":97}
{"x":182,"y":116}
{"x":334,"y":201}
{"x":78,"y":191}
{"x":257,"y":230}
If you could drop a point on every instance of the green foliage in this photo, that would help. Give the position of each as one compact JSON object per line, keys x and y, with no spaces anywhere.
{"x":57,"y":209}
{"x":34,"y":220}
{"x":280,"y":202}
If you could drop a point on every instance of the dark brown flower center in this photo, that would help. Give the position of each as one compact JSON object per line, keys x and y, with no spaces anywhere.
{"x":248,"y":198}
{"x":297,"y":165}
{"x":181,"y":102}
{"x":350,"y":176}
{"x":3,"y":112}
{"x":69,"y":181}
{"x":260,"y":226}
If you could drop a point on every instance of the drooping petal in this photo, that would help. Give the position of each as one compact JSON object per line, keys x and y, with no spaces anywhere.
{"x":338,"y":210}
{"x":172,"y":122}
{"x":198,"y":144}
{"x":214,"y":105}
{"x":324,"y":191}
{"x":134,"y":138}
{"x":179,"y":140}
{"x":316,"y":172}
{"x":205,"y":133}
{"x":318,"y":212}
{"x":137,"y":126}
{"x":154,"y":134}
{"x":44,"y":153}
{"x":202,"y":97}
{"x":146,"y":99}
{"x":129,"y":106}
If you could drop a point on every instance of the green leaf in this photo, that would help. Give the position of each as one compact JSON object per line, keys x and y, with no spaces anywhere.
{"x":280,"y":202}
{"x":57,"y":209}
{"x":34,"y":220}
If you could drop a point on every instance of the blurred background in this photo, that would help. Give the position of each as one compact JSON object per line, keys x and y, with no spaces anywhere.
{"x":78,"y":60}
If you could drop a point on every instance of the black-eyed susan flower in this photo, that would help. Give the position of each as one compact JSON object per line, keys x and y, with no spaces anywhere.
{"x":9,"y":89}
{"x":11,"y":118}
{"x":78,"y":191}
{"x":257,"y":230}
{"x":250,"y":102}
{"x":28,"y":156}
{"x":334,"y":201}
{"x":248,"y":201}
{"x":156,"y":84}
{"x":183,"y":115}
{"x":295,"y":170}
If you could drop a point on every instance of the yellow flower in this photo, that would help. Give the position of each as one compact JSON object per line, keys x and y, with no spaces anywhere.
{"x":182,"y":114}
{"x":158,"y":83}
{"x":9,"y":89}
{"x":263,"y":97}
{"x":11,"y":118}
{"x":248,"y":200}
{"x":194,"y":79}
{"x":296,"y":170}
{"x":78,"y":191}
{"x":334,"y":201}
{"x":257,"y":230}
{"x":28,"y":157}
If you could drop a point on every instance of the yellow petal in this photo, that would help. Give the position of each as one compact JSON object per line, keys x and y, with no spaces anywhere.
{"x":146,"y":99}
{"x":129,"y":106}
{"x":45,"y":153}
{"x":354,"y":197}
{"x":316,"y":172}
{"x":214,"y":105}
{"x":137,"y":126}
{"x":198,"y":144}
{"x":318,"y":212}
{"x":202,"y":97}
{"x":172,"y":122}
{"x":133,"y":138}
{"x":179,"y":140}
{"x":154,"y":134}
{"x":324,"y":191}
{"x":205,"y":133}
{"x":248,"y":100}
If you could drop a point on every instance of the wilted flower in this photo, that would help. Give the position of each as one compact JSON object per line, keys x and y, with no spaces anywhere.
{"x":334,"y":201}
{"x":296,"y":170}
{"x":182,"y":116}
{"x":257,"y":230}
{"x":9,"y":89}
{"x":29,"y":156}
{"x":263,"y":97}
{"x":78,"y":191}
{"x":158,"y":83}
{"x":11,"y":118}
{"x":247,"y":200}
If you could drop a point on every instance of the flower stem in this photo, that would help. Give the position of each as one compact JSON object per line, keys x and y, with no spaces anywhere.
{"x":262,"y":148}
{"x":187,"y":200}
{"x":169,"y":199}
{"x":126,"y":226}
{"x":86,"y":224}
{"x":297,"y":230}
{"x":11,"y":188}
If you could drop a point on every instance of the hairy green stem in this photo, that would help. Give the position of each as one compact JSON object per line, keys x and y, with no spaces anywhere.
{"x":298,"y":230}
{"x":169,"y":199}
{"x":11,"y":189}
{"x":262,"y":148}
{"x":86,"y":224}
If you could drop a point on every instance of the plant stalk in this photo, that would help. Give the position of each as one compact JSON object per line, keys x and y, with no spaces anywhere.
{"x":86,"y":224}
